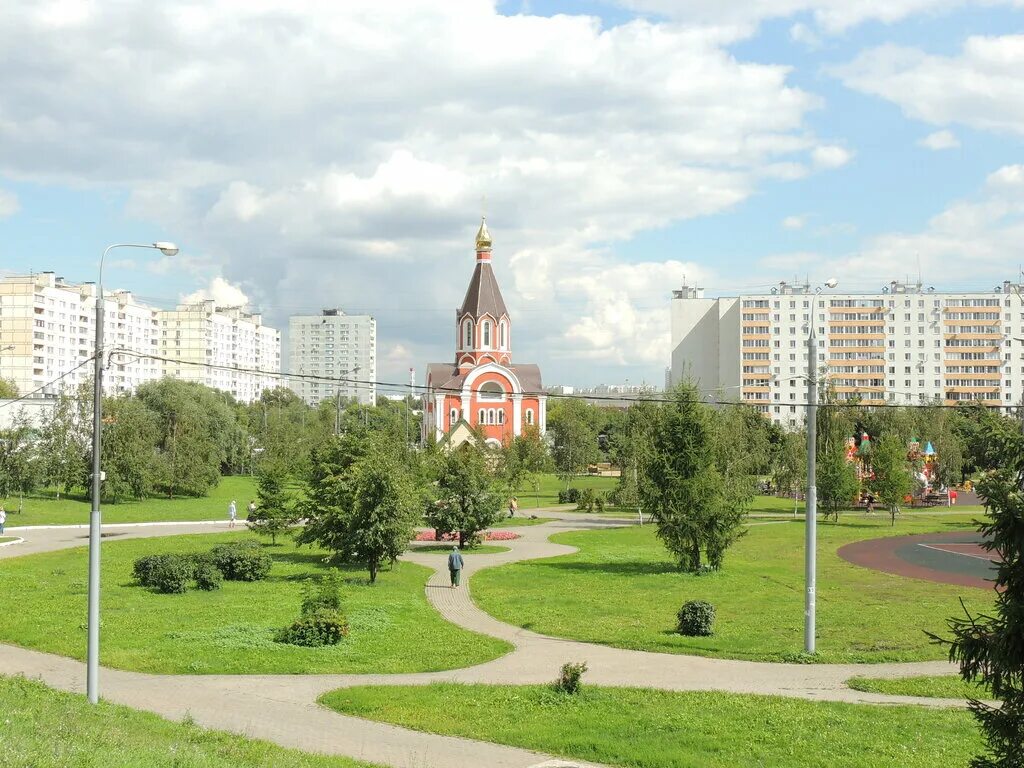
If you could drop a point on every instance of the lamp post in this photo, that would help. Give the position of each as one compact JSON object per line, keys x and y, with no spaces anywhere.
{"x":811,"y":514}
{"x":93,"y":649}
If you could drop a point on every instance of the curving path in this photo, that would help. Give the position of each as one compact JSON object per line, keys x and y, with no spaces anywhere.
{"x":283,"y":708}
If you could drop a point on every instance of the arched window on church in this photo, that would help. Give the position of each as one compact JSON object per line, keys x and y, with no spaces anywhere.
{"x":501,"y":417}
{"x":491,"y":390}
{"x":487,"y":334}
{"x":467,"y":335}
{"x":529,"y":416}
{"x":453,"y":417}
{"x":504,"y":335}
{"x":483,"y":417}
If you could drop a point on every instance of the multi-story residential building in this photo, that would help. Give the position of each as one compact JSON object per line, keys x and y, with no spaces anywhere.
{"x":47,"y":332}
{"x":905,"y":344}
{"x":333,"y":354}
{"x":224,"y":348}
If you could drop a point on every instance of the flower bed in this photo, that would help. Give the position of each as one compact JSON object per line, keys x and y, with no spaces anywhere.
{"x":488,"y":536}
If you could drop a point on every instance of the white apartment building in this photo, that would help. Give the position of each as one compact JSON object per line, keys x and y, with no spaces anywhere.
{"x":905,"y":344}
{"x":224,"y":348}
{"x":333,"y":354}
{"x":47,"y":332}
{"x":48,"y":329}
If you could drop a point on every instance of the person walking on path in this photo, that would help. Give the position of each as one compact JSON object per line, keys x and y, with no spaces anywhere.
{"x":3,"y":519}
{"x":513,"y":505}
{"x":232,"y":514}
{"x":455,"y":566}
{"x":252,"y":510}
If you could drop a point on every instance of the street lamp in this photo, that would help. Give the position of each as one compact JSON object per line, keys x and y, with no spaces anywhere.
{"x":811,"y":513}
{"x":93,"y":650}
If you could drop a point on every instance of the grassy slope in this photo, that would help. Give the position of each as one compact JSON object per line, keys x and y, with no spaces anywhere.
{"x":938,"y":687}
{"x":393,"y":628}
{"x":658,"y":729}
{"x":46,"y":510}
{"x":550,"y":485}
{"x":7,"y":538}
{"x":863,"y":615}
{"x":44,"y":728}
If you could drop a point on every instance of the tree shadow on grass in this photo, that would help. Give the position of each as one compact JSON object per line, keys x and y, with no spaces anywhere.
{"x":623,"y":569}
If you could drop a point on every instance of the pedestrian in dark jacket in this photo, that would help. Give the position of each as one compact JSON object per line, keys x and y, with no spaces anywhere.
{"x":455,"y":566}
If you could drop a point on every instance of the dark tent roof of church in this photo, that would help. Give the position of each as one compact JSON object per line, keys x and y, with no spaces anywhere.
{"x":445,"y":377}
{"x":483,"y":297}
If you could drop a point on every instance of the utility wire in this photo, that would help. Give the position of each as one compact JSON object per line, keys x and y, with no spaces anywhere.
{"x":39,"y":389}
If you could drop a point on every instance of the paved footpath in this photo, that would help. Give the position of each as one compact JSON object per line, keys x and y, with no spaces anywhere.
{"x":283,"y":708}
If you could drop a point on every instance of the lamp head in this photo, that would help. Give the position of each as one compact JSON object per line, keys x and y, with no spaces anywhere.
{"x":832,"y":282}
{"x":167,"y":249}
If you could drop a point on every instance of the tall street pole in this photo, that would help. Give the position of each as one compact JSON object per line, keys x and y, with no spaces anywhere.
{"x":811,"y":515}
{"x":92,"y":668}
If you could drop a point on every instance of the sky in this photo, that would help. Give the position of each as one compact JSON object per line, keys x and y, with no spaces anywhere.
{"x":306,"y":154}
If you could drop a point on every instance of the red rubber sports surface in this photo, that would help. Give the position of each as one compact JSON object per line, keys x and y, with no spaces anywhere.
{"x":947,"y":558}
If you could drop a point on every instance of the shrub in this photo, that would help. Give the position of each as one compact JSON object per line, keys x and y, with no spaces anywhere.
{"x":590,"y":501}
{"x":314,"y":630}
{"x":696,"y":618}
{"x":569,"y":496}
{"x":206,"y":574}
{"x":144,"y":567}
{"x":242,"y":561}
{"x":568,"y":680}
{"x":171,"y":574}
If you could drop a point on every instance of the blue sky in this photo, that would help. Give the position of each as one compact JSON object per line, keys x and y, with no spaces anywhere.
{"x":313,"y":168}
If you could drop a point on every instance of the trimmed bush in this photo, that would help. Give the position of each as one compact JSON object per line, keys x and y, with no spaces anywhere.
{"x":590,"y":500}
{"x":568,"y":680}
{"x":696,"y":619}
{"x":314,"y":630}
{"x":207,"y":575}
{"x":569,"y":496}
{"x":242,"y":561}
{"x":144,"y":567}
{"x":171,"y":574}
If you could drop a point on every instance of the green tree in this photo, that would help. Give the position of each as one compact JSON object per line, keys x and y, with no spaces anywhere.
{"x":836,"y":481}
{"x":631,"y":447}
{"x":466,"y":502}
{"x":330,"y":492}
{"x":275,"y":512}
{"x":989,"y":648}
{"x":8,"y":390}
{"x":129,"y":449}
{"x":685,"y":492}
{"x":19,"y":465}
{"x":63,"y":445}
{"x":892,"y":481}
{"x":524,"y":459}
{"x":386,"y":507}
{"x":571,"y":425}
{"x":789,"y":465}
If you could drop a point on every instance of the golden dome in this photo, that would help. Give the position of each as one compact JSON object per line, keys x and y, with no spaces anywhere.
{"x":483,"y":237}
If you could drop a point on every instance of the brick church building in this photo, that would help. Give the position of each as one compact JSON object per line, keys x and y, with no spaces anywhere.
{"x":482,"y":388}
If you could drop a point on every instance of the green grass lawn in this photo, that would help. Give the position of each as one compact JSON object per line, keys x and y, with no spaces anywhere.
{"x":659,"y":729}
{"x":444,"y":549}
{"x":7,"y":538}
{"x":393,"y":627}
{"x":44,"y":728}
{"x":550,"y":485}
{"x":519,"y":522}
{"x":937,"y":687}
{"x":623,"y":589}
{"x":46,"y":509}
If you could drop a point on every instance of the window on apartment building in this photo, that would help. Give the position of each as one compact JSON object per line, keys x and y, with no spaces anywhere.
{"x":792,"y":344}
{"x":792,"y":318}
{"x":776,"y":305}
{"x":892,"y":343}
{"x":776,"y":409}
{"x":792,"y":331}
{"x":792,"y":395}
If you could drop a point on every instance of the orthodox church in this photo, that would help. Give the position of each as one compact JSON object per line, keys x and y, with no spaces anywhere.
{"x":482,"y":388}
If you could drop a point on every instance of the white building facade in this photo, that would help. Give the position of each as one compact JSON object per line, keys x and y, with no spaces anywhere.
{"x":224,"y":348}
{"x":333,"y":354}
{"x":906,"y":344}
{"x":48,"y":331}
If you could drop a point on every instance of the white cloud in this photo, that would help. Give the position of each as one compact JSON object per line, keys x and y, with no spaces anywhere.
{"x":327,"y":154}
{"x":831,"y":16}
{"x":971,"y":243}
{"x":801,"y":33}
{"x":829,"y":157}
{"x":9,"y":204}
{"x":979,"y":87}
{"x":940,"y":140}
{"x":223,"y":293}
{"x":794,"y":222}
